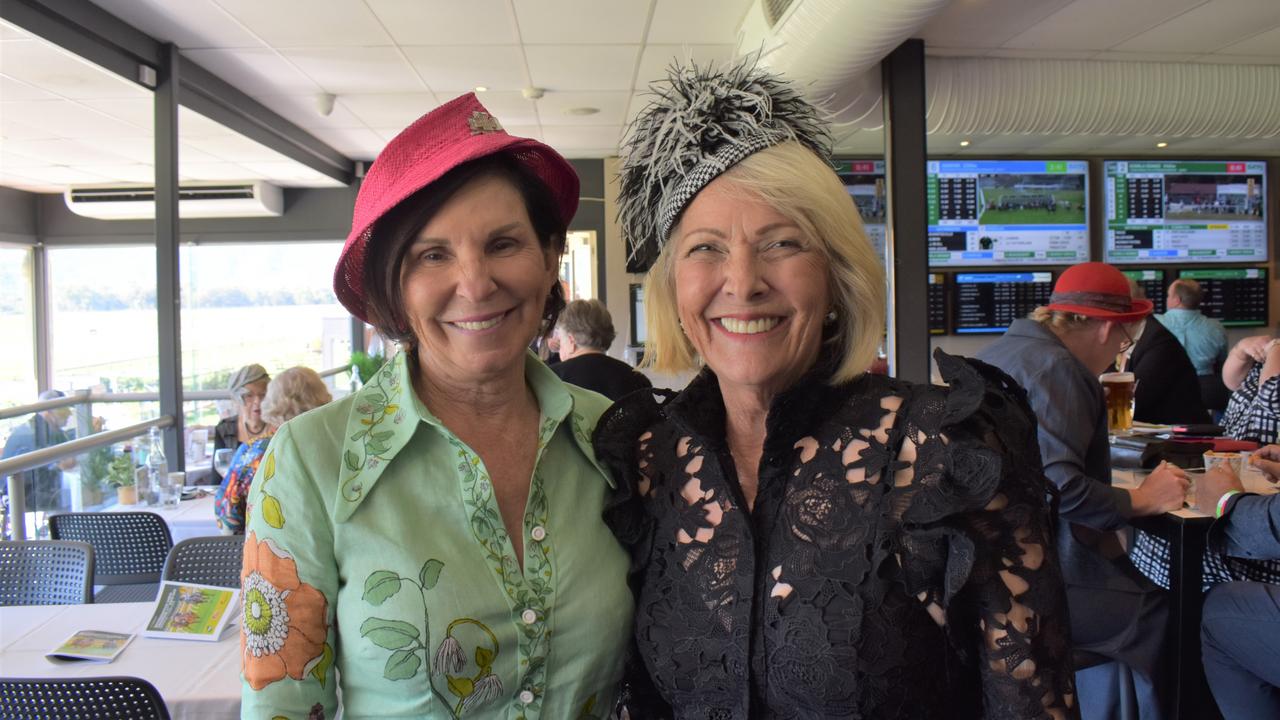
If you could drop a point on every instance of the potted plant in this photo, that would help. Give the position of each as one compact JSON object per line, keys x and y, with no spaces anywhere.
{"x":121,"y":475}
{"x":366,"y":366}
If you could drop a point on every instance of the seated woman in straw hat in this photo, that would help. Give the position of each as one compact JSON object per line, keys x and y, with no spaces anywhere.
{"x":810,"y":540}
{"x":446,"y":517}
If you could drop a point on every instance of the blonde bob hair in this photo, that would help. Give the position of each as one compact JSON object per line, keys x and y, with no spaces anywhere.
{"x":797,"y":183}
{"x":292,"y":393}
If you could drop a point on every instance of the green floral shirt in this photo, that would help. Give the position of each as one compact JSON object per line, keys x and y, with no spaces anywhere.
{"x":375,"y":548}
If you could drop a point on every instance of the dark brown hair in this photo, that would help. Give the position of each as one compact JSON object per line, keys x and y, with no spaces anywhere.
{"x":396,"y":232}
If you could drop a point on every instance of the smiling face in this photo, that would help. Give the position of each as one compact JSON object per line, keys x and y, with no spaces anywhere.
{"x":475,"y":282}
{"x":751,"y":289}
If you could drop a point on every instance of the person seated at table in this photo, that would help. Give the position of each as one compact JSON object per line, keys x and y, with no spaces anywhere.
{"x":288,"y":395}
{"x":1168,"y":390}
{"x":1203,"y":337}
{"x":1240,"y":627}
{"x":1252,"y":373}
{"x":1056,"y":355}
{"x":247,"y":387}
{"x":585,"y":331}
{"x":432,"y":546}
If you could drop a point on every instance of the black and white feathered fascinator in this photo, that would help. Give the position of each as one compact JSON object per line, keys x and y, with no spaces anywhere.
{"x":700,"y":123}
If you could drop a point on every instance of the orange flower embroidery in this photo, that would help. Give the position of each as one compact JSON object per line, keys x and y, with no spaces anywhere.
{"x":285,"y":625}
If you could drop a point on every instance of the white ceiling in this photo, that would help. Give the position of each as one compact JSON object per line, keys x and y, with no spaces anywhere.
{"x":64,"y":122}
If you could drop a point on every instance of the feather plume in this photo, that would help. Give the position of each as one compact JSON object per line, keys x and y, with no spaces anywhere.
{"x":701,"y":122}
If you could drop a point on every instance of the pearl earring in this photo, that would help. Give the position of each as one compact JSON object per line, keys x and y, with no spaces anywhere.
{"x":831,"y":316}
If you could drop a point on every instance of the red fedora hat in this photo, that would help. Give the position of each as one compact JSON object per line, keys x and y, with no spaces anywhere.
{"x":459,"y":131}
{"x":1097,"y":290}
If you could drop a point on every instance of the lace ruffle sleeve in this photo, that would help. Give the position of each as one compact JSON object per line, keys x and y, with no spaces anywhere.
{"x":977,"y":537}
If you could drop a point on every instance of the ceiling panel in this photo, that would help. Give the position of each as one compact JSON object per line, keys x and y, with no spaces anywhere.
{"x":123,"y":173}
{"x":1266,"y":43}
{"x":1209,"y":27}
{"x":48,"y":68}
{"x":525,"y":131}
{"x":573,"y":21}
{"x":309,"y":23}
{"x":583,"y":141}
{"x":509,"y":107}
{"x":985,"y":23}
{"x":235,"y":148}
{"x":582,"y":67}
{"x":61,"y":175}
{"x":12,"y":127}
{"x":351,"y":70}
{"x":291,"y":173}
{"x":355,"y":143}
{"x":612,"y":108}
{"x":655,"y":59}
{"x":302,"y":110}
{"x":384,"y":111}
{"x":1098,"y":24}
{"x":255,"y":70}
{"x":215,"y":172}
{"x":454,"y":70}
{"x":706,"y":21}
{"x":65,"y":118}
{"x":474,"y":22}
{"x":11,"y":89}
{"x":189,"y":24}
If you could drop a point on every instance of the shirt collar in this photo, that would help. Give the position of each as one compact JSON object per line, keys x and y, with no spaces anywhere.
{"x":386,"y":412}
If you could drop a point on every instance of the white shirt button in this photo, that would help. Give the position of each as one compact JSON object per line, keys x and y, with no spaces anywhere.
{"x":526,"y":697}
{"x":529,"y":616}
{"x":539,"y":533}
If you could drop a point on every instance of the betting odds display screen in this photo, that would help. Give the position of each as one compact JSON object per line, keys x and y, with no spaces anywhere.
{"x":1153,"y":284}
{"x":1003,"y":212}
{"x":990,"y":302}
{"x":937,"y":304}
{"x":1161,"y":211}
{"x":1237,"y":297}
{"x":864,"y":181}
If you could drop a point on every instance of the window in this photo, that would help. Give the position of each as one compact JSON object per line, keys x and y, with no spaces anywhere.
{"x":17,"y":362}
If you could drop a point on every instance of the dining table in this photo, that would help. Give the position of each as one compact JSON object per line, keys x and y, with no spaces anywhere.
{"x":198,"y":680}
{"x":193,"y":517}
{"x":1182,"y":539}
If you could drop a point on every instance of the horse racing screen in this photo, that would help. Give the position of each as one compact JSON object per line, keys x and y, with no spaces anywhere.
{"x":1172,"y":211}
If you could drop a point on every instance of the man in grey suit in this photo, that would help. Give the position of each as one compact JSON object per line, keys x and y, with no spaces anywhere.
{"x":1056,"y":354}
{"x":1240,"y":628}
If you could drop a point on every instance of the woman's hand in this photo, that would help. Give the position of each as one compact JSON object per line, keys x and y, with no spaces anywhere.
{"x":1242,"y":358}
{"x":1255,"y":347}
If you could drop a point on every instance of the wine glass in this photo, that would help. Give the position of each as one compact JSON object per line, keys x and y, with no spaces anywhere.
{"x":222,"y":460}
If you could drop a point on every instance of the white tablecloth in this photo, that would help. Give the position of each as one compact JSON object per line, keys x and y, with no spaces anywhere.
{"x":198,"y":680}
{"x":193,"y":518}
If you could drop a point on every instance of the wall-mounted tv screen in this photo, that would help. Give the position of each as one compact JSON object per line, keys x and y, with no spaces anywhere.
{"x":990,"y":302}
{"x":1003,"y":212}
{"x":638,"y":335}
{"x":1153,"y":285}
{"x":937,"y":304}
{"x":864,"y":181}
{"x":1237,"y":297}
{"x":1165,"y":211}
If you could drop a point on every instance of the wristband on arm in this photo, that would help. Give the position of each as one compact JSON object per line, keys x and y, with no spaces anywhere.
{"x":1222,"y":502}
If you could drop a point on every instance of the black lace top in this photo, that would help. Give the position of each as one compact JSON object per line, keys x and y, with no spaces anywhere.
{"x":897,"y":563}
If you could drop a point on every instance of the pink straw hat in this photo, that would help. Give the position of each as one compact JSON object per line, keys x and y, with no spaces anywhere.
{"x":457,"y":132}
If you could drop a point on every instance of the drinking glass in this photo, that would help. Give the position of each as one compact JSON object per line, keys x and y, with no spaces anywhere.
{"x":222,"y":460}
{"x":171,"y":490}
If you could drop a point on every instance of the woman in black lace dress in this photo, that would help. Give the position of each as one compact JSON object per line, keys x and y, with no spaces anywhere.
{"x":808,"y":540}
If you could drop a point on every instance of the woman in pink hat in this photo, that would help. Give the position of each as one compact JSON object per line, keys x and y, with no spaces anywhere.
{"x":436,"y":538}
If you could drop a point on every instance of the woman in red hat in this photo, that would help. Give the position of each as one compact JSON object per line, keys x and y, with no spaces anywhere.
{"x":447,"y":517}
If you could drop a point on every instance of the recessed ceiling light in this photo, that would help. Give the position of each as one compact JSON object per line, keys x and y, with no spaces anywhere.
{"x":1162,"y":144}
{"x":581,"y":111}
{"x":964,"y":143}
{"x":482,"y":88}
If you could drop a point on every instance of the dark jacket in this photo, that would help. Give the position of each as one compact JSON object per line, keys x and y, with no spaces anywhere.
{"x":1249,"y":528}
{"x":1115,"y":610}
{"x":601,"y":373}
{"x":1168,"y":388}
{"x":817,"y":601}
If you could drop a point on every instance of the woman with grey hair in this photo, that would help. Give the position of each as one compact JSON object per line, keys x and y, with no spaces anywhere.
{"x":248,"y":386}
{"x":585,"y":331}
{"x":290,"y":394}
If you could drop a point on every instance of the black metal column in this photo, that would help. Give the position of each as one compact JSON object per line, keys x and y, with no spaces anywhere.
{"x":906,"y":152}
{"x":168,"y":297}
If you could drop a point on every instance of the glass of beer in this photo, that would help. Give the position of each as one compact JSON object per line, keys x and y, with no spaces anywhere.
{"x":1119,"y":388}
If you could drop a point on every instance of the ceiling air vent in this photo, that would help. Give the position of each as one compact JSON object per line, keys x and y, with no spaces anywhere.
{"x":775,"y":9}
{"x":224,"y":200}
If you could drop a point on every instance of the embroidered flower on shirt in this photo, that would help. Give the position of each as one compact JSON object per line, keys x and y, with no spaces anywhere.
{"x":285,"y":619}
